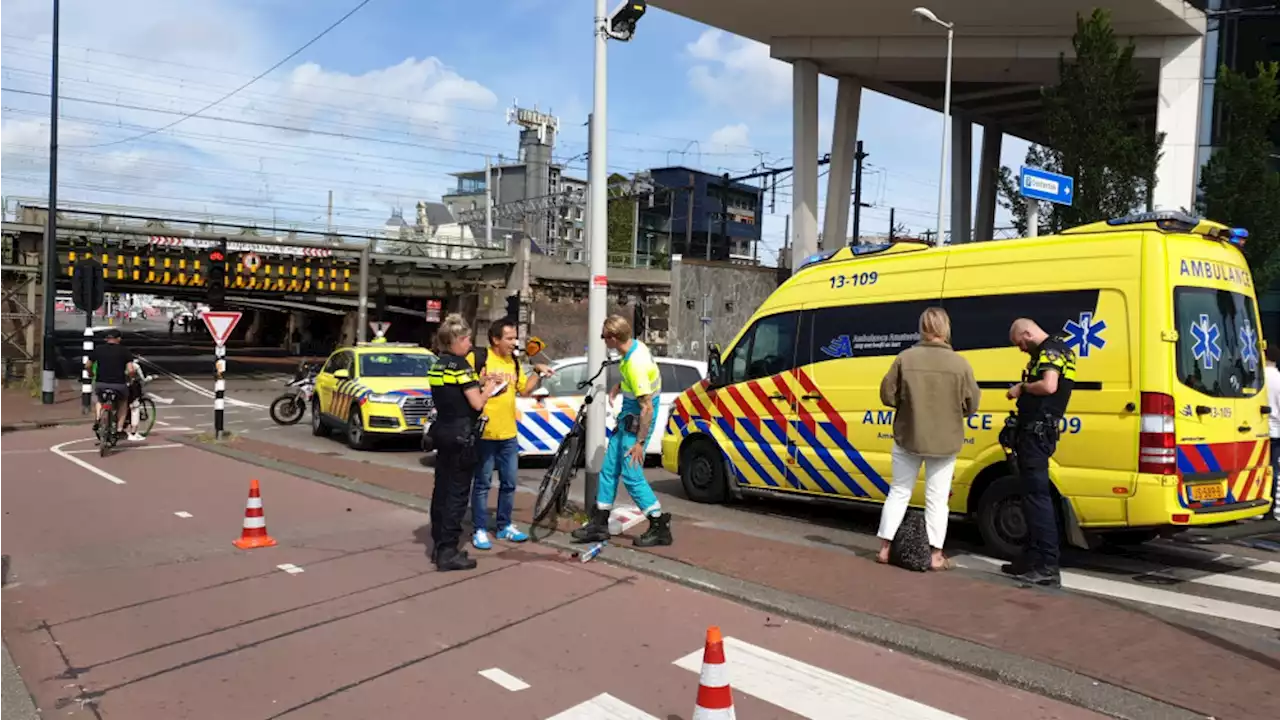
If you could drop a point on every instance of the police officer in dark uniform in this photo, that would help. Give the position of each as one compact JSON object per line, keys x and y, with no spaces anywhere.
{"x":1042,"y":398}
{"x":459,"y":399}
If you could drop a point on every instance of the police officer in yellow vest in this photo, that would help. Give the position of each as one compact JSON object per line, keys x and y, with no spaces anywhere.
{"x":498,"y":447}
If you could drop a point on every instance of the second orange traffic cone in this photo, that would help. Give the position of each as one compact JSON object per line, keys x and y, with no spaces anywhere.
{"x":715,"y":699}
{"x":254,"y":534}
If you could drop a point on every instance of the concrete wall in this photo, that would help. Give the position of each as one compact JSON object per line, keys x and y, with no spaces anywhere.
{"x":733,"y":292}
{"x":562,"y":323}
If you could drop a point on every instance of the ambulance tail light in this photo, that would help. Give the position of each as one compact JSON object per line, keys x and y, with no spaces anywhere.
{"x":1157,"y":448}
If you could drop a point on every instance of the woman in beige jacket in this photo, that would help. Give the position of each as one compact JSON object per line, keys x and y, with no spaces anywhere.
{"x":932,"y":390}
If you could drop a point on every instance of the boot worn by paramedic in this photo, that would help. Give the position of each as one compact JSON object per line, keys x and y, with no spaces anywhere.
{"x":451,"y":558}
{"x":596,"y":529}
{"x":658,"y":533}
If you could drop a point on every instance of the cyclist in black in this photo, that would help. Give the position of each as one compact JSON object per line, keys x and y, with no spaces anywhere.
{"x":1042,"y":398}
{"x":115,"y":366}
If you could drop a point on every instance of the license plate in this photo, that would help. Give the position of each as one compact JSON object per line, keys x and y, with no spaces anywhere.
{"x":1207,"y":491}
{"x":415,"y":421}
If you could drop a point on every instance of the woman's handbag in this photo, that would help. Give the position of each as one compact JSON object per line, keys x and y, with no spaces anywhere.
{"x":910,"y":549}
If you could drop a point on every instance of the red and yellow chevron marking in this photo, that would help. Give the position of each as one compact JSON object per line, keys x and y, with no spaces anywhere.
{"x":1249,"y":483}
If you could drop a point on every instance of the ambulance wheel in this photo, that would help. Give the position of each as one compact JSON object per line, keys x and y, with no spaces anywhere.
{"x":1000,"y":518}
{"x":318,"y":427}
{"x":702,"y":472}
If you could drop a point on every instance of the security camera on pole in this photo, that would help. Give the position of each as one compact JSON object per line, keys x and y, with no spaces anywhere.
{"x":619,"y":25}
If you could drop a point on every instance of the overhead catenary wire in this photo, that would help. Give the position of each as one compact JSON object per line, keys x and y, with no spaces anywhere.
{"x":251,"y":81}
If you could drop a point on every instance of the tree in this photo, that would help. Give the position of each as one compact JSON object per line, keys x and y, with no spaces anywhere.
{"x":621,"y":227}
{"x":1240,"y":185}
{"x":1091,"y":133}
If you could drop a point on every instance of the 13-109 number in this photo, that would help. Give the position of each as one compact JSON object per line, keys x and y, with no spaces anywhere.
{"x":866,"y":278}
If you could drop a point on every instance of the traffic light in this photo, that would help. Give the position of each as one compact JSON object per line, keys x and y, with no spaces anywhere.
{"x":217,"y":286}
{"x":513,"y":307}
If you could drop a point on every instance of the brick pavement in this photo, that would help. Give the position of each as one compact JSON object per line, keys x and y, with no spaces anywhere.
{"x":18,"y":409}
{"x":1090,"y":636}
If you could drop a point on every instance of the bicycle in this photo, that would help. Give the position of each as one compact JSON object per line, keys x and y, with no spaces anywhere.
{"x":108,"y":434}
{"x":146,"y":411}
{"x":553,"y":493}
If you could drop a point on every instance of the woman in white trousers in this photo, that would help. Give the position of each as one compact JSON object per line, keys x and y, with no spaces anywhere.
{"x":932,"y":390}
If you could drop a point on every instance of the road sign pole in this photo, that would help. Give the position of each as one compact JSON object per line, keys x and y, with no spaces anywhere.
{"x":48,"y":383}
{"x":86,"y":382}
{"x":1033,"y":216}
{"x":219,"y":389}
{"x":363,"y":320}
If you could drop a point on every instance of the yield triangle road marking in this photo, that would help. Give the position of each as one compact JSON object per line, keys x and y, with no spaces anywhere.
{"x":808,"y":690}
{"x":605,"y":707}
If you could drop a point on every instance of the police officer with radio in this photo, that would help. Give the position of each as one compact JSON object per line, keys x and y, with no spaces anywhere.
{"x":1042,"y":399}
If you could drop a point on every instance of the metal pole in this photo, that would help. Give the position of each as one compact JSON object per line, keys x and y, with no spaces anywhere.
{"x":891,"y":225}
{"x":488,"y":203}
{"x":1033,"y":217}
{"x":724,"y":215}
{"x":47,"y":378}
{"x":363,"y":314}
{"x":635,"y":232}
{"x":946,"y":136}
{"x":706,"y":320}
{"x":329,"y":221}
{"x":598,"y":291}
{"x":219,"y":389}
{"x":86,"y":381}
{"x":857,"y":195}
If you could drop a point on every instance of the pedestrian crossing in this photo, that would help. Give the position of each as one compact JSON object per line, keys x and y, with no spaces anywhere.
{"x":787,"y":683}
{"x":1203,"y":584}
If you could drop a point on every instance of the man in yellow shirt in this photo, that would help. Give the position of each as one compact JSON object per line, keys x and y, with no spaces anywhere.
{"x":498,"y":445}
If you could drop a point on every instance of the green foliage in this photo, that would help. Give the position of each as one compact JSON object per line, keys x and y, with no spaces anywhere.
{"x":1091,"y":134}
{"x":621,"y":229}
{"x":1240,"y":185}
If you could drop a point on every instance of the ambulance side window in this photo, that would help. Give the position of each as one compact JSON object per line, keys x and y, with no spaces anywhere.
{"x":767,"y":349}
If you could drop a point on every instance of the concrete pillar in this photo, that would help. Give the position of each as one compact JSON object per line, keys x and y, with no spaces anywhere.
{"x":844,"y":139}
{"x":984,"y":226}
{"x":1178,"y":116}
{"x":804,"y":149}
{"x":961,"y":179}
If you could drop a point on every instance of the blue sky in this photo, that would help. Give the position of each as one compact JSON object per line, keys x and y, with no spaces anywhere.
{"x":398,"y":96}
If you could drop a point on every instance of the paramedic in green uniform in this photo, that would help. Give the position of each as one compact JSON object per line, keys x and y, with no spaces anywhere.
{"x":624,"y":460}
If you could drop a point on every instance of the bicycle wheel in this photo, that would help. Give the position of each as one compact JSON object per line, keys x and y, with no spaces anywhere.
{"x":108,"y":434}
{"x":146,"y":416}
{"x":555,"y":485}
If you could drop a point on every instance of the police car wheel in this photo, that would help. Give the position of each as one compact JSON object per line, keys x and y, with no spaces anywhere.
{"x":357,"y":438}
{"x":318,"y":428}
{"x":702,"y":472}
{"x":1001,"y":520}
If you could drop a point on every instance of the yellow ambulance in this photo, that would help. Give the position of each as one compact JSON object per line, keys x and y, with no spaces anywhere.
{"x":1167,"y":426}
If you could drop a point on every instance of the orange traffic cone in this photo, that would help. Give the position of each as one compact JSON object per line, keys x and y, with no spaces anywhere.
{"x":715,"y":700}
{"x":254,"y":534}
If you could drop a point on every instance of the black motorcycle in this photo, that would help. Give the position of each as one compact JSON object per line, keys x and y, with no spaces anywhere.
{"x":289,"y":407}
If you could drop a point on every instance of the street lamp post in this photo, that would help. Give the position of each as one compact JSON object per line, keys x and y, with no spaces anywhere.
{"x":598,"y":250}
{"x":927,"y":15}
{"x":47,"y":376}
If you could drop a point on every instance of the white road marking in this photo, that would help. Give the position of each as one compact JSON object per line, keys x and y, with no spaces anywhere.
{"x":57,"y":450}
{"x":505,"y":679}
{"x":131,"y":448}
{"x":183,"y":514}
{"x":290,"y":568}
{"x":177,"y":428}
{"x":808,"y":690}
{"x":1175,"y":600}
{"x":1270,"y":566}
{"x":189,"y":385}
{"x":603,"y":707}
{"x":161,"y":422}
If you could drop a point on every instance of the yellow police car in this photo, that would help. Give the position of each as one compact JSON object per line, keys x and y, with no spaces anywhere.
{"x":373,"y":390}
{"x":1166,"y":428}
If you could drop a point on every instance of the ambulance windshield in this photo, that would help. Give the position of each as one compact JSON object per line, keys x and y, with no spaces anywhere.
{"x":1219,"y":347}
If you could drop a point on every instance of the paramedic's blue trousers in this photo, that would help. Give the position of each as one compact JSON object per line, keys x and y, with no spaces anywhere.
{"x":617,"y":465}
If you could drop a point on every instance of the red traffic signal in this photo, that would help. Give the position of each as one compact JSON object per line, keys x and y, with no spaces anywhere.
{"x":216,"y":256}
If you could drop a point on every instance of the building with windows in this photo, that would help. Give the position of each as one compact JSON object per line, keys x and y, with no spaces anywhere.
{"x":689,"y":213}
{"x":559,"y":230}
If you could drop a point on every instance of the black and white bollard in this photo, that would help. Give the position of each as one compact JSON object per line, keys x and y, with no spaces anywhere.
{"x":219,"y":388}
{"x":86,"y":380}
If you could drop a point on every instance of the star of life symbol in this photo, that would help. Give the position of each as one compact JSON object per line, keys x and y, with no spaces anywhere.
{"x":1249,"y":347}
{"x":1085,"y":334}
{"x":1207,"y":349}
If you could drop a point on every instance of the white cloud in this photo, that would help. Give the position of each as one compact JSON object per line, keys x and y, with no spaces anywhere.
{"x":735,"y":72}
{"x":730,"y":138}
{"x":377,"y":138}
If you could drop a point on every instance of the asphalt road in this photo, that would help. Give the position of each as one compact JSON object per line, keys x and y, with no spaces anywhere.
{"x":125,"y":598}
{"x":1230,"y":591}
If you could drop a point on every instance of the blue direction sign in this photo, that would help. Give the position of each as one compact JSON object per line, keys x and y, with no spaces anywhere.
{"x":1039,"y":184}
